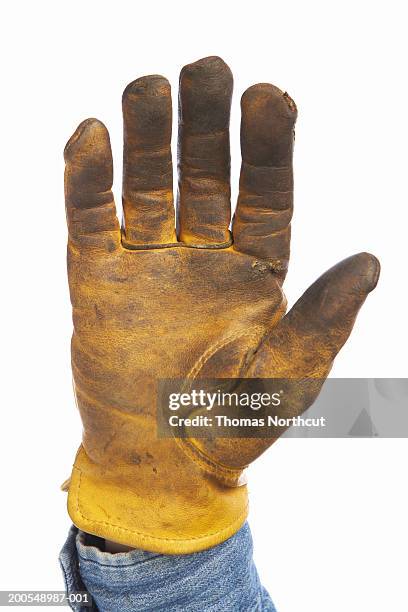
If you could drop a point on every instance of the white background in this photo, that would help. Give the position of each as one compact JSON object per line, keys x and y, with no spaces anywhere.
{"x":328,"y":517}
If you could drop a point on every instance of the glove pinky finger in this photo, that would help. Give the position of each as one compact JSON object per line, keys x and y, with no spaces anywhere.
{"x":90,"y":206}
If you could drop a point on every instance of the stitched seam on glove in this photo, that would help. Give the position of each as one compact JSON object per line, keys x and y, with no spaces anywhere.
{"x":227,"y":475}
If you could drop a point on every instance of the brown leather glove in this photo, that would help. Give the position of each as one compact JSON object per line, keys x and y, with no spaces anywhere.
{"x":151,"y":303}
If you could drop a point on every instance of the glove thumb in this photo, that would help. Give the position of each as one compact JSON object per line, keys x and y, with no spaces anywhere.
{"x":308,"y":338}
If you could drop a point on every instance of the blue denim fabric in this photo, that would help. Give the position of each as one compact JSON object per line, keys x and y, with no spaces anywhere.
{"x":220,"y":579}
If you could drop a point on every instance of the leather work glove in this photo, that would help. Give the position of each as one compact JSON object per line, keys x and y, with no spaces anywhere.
{"x":154,"y":302}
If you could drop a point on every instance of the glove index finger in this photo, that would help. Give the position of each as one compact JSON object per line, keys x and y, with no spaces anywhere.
{"x":90,"y":206}
{"x":261,"y":225}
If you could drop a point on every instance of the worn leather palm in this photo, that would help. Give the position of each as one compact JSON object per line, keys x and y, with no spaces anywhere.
{"x":152,"y":302}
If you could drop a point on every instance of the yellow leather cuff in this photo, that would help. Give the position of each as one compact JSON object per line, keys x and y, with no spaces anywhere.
{"x":184,"y":517}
